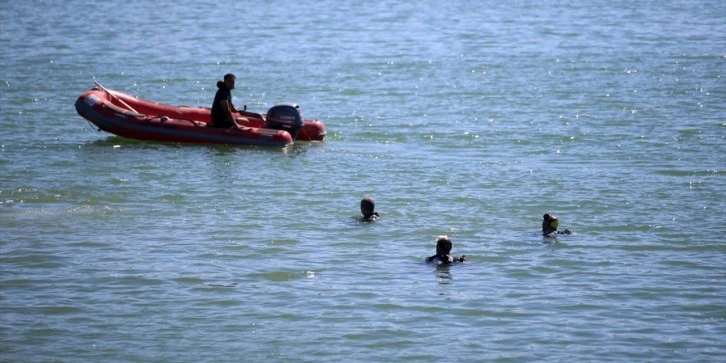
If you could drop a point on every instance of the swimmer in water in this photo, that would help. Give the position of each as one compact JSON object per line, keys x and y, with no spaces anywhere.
{"x":443,"y":253}
{"x":549,"y":226}
{"x":367,"y":205}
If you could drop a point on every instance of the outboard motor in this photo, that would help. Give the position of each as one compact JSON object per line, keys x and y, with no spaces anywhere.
{"x":286,"y":117}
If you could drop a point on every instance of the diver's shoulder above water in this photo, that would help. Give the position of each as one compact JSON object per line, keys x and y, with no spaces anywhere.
{"x":443,"y":253}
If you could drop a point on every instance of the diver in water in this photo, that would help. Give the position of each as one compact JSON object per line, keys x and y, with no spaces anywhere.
{"x":367,"y":205}
{"x":550,"y":224}
{"x":443,"y":253}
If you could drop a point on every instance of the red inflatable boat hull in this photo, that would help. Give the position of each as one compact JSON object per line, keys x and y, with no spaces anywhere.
{"x":127,"y":116}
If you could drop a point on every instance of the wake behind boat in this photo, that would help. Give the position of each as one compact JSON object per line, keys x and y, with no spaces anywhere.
{"x":124,"y":115}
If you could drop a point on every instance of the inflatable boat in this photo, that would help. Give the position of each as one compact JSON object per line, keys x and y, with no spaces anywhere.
{"x":124,"y":115}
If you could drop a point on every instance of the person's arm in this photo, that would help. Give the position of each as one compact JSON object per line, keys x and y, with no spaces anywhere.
{"x":228,"y":107}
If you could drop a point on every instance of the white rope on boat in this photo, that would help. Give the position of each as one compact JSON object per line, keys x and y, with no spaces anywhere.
{"x":114,"y":96}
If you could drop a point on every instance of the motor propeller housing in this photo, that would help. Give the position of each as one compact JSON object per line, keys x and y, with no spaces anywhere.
{"x":285,"y":117}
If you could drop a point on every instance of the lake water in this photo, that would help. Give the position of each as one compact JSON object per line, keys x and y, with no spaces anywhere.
{"x":465,"y":118}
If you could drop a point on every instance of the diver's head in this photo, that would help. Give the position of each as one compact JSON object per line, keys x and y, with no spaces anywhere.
{"x":443,"y":245}
{"x":367,"y":205}
{"x":552,"y":220}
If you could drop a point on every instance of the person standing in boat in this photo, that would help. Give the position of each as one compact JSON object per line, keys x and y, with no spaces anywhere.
{"x":222,"y":108}
{"x":367,"y":205}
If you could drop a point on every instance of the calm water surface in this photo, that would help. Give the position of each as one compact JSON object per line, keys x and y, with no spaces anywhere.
{"x":470,"y":119}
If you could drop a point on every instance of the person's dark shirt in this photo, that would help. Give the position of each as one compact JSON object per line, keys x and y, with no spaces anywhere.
{"x":219,"y":114}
